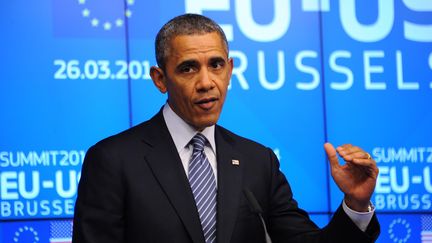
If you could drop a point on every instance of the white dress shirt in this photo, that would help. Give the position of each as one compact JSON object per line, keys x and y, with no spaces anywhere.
{"x":182,"y":133}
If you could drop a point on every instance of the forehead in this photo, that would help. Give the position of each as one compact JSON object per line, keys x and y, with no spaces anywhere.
{"x":189,"y":45}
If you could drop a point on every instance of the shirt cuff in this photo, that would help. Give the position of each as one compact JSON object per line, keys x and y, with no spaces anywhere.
{"x":361,"y":219}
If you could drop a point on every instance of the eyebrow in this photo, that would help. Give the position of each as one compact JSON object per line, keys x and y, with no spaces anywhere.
{"x":195,"y":63}
{"x":217,"y":58}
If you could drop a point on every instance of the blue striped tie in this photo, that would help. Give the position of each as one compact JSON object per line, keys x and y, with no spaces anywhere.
{"x":203,"y":185}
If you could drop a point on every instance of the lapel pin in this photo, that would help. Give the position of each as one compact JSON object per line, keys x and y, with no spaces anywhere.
{"x":235,"y":162}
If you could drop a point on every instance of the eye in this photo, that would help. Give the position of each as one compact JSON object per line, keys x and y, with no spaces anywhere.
{"x":186,"y":69}
{"x":217,"y":64}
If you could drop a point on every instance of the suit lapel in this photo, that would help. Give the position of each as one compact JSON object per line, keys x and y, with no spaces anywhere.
{"x":166,"y":165}
{"x":229,"y":185}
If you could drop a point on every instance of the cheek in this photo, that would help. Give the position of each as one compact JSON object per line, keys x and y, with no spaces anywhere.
{"x":184,"y":98}
{"x":181,"y":91}
{"x":223,"y":87}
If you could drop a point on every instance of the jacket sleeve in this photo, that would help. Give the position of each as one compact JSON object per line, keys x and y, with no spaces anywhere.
{"x":99,"y":205}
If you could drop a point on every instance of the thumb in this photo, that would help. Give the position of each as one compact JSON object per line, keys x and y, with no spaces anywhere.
{"x":331,"y":154}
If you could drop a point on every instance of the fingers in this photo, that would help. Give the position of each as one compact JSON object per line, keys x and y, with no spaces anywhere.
{"x":364,"y":163}
{"x":352,"y":155}
{"x":358,"y":157}
{"x":349,"y":152}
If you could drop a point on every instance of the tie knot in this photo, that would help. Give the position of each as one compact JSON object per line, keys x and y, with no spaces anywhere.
{"x":198,"y":142}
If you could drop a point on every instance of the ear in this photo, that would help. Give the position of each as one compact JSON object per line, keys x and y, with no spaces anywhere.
{"x":158,"y":78}
{"x":231,"y":66}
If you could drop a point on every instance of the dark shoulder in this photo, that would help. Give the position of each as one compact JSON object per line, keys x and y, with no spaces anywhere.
{"x":133,"y":136}
{"x":240,"y":141}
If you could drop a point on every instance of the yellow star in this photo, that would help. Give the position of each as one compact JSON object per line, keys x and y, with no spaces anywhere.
{"x":94,"y":22}
{"x":107,"y":26}
{"x":85,"y":12}
{"x":128,"y":13}
{"x":119,"y":22}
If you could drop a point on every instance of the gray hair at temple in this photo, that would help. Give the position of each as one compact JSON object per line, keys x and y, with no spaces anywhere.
{"x":186,"y":24}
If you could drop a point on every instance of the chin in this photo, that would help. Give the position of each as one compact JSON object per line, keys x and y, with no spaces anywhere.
{"x":204,"y":123}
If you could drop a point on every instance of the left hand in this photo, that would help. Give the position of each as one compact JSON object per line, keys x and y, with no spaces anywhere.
{"x":356,"y":178}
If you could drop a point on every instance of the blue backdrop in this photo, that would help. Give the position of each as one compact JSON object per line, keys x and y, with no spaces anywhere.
{"x":76,"y":71}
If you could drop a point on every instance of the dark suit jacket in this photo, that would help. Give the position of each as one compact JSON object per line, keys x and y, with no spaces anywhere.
{"x":134,"y":189}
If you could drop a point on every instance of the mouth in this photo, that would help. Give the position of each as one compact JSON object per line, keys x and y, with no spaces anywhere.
{"x":206,"y":103}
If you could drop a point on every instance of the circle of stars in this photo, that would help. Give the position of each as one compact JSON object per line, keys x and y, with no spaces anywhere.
{"x":21,"y":230}
{"x":105,"y":24}
{"x":403,"y":223}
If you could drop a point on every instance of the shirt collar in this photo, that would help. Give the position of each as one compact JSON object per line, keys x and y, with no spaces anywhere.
{"x":182,"y":133}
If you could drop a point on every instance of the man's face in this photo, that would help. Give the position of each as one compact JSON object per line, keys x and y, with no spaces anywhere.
{"x":196,"y":77}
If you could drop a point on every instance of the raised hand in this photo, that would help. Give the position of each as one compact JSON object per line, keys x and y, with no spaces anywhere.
{"x":356,"y":178}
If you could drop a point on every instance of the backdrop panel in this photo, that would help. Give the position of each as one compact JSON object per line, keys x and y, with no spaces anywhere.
{"x":57,"y":97}
{"x":378,"y":95}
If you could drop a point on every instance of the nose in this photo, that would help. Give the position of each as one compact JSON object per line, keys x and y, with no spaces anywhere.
{"x":205,"y":80}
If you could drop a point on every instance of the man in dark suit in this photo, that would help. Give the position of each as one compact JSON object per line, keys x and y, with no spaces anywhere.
{"x":179,"y":177}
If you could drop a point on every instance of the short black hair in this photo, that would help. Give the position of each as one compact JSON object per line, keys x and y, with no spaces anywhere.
{"x":186,"y":24}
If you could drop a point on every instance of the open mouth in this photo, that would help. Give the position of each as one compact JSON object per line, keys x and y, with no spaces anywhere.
{"x":206,"y":103}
